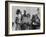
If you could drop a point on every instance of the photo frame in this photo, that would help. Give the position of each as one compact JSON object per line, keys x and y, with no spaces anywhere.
{"x":24,"y":18}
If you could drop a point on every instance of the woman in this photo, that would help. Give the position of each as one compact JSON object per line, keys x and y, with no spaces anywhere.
{"x":18,"y":19}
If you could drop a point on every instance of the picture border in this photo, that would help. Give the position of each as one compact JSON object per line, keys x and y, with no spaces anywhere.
{"x":6,"y":18}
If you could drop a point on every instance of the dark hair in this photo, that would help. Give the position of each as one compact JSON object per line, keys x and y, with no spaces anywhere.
{"x":28,"y":15}
{"x":24,"y":12}
{"x":18,"y":11}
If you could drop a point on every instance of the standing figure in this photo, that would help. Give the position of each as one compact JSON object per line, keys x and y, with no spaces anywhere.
{"x":18,"y":20}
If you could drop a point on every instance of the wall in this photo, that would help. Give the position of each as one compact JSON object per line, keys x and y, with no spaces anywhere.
{"x":2,"y":19}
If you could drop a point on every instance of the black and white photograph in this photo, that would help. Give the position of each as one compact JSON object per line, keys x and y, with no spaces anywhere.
{"x":24,"y":18}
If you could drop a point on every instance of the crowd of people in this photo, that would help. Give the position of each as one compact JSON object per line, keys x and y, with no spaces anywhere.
{"x":25,"y":22}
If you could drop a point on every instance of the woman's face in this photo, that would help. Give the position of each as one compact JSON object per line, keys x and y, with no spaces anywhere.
{"x":19,"y":16}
